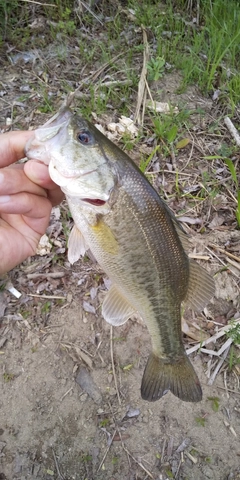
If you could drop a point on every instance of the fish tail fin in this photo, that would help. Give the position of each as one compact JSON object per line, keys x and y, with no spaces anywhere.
{"x":179,"y":377}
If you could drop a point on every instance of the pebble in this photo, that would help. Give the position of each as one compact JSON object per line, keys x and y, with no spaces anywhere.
{"x":83,"y":397}
{"x":86,"y":382}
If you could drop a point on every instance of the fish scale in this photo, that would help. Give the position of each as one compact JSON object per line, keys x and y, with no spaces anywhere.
{"x":135,"y":238}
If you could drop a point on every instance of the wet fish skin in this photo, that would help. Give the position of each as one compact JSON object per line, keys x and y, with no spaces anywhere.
{"x":137,"y":241}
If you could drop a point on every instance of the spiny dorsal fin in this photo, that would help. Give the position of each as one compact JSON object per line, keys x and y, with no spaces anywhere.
{"x":116,"y":309}
{"x":201,"y":287}
{"x":76,"y":245}
{"x":183,"y":236}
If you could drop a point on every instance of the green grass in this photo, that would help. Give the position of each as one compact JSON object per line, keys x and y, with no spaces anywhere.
{"x":206,"y":55}
{"x":235,"y":179}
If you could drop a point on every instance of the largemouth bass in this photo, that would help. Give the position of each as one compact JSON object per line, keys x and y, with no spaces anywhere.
{"x":136,"y":240}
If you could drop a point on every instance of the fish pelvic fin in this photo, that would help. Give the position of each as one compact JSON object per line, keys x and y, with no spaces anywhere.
{"x":76,"y":245}
{"x":201,"y":287}
{"x":116,"y":310}
{"x":178,"y":376}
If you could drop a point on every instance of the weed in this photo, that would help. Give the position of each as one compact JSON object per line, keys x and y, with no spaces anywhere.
{"x":46,"y":308}
{"x":233,"y":359}
{"x":169,"y":473}
{"x":86,"y":458}
{"x":144,"y":164}
{"x":214,"y":403}
{"x":155,"y":68}
{"x":50,"y":472}
{"x":128,"y":367}
{"x":25,"y":313}
{"x":8,"y":377}
{"x":208,"y":459}
{"x":233,"y":172}
{"x":104,"y":423}
{"x":234,"y":333}
{"x":201,"y":421}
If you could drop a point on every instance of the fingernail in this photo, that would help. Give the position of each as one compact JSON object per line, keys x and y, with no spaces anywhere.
{"x":4,"y":198}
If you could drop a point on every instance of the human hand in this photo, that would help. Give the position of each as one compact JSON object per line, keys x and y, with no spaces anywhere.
{"x":27,"y":195}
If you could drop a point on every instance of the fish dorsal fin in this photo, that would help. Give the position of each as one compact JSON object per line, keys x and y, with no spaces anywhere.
{"x":182,"y":235}
{"x":201,"y":287}
{"x":76,"y":245}
{"x":116,"y":309}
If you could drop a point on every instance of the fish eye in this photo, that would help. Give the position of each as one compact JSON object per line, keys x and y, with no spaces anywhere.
{"x":84,"y":137}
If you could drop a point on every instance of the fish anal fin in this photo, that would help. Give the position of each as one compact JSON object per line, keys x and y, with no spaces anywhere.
{"x":116,"y":310}
{"x":76,"y":245}
{"x":201,"y":287}
{"x":179,"y":377}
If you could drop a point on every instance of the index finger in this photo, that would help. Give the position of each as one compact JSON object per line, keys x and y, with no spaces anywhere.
{"x":12,"y":146}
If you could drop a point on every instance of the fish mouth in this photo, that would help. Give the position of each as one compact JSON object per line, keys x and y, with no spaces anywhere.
{"x":66,"y":182}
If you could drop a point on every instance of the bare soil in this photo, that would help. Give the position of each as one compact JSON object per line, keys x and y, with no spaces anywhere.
{"x":54,"y":336}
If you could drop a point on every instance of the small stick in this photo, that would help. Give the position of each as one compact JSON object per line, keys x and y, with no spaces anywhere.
{"x":215,"y":337}
{"x":198,"y":257}
{"x":229,"y":390}
{"x":220,"y":261}
{"x":163,"y":450}
{"x":142,"y":82}
{"x":65,"y":394}
{"x":90,"y":11}
{"x":138,"y":463}
{"x":225,"y":382}
{"x":228,"y":425}
{"x":216,"y":247}
{"x":106,"y":452}
{"x":220,"y":363}
{"x":57,"y":467}
{"x":119,"y":433}
{"x":179,"y":466}
{"x":234,"y":264}
{"x":232,"y":130}
{"x":46,"y":275}
{"x":193,"y":459}
{"x":39,"y":3}
{"x":113,"y":366}
{"x":46,"y":296}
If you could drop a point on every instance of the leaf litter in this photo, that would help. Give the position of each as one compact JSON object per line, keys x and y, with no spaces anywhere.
{"x":54,"y":330}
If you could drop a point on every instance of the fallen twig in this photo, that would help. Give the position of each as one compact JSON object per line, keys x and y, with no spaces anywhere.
{"x":113,"y":366}
{"x":138,"y":463}
{"x":220,"y":363}
{"x":106,"y":452}
{"x":213,"y":339}
{"x":60,"y":476}
{"x":56,"y":297}
{"x":228,"y":254}
{"x":232,"y":130}
{"x":142,"y":91}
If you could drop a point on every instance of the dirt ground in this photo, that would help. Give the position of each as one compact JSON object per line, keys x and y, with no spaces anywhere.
{"x":70,"y":404}
{"x":51,"y":427}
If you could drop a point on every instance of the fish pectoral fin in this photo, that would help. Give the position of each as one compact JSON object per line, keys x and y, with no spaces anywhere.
{"x":116,"y":310}
{"x":179,"y":377}
{"x":201,"y":287}
{"x":76,"y":245}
